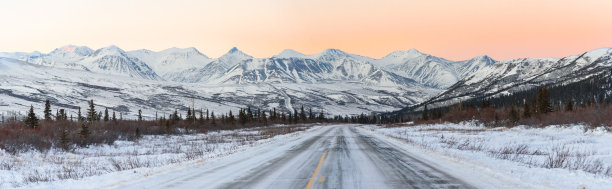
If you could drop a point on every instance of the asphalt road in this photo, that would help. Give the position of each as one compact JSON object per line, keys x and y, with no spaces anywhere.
{"x":332,"y":157}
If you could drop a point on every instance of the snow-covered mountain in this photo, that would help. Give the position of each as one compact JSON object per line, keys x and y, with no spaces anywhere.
{"x":430,"y":70}
{"x":328,"y":66}
{"x":215,"y":69}
{"x":510,"y":76}
{"x":110,"y":60}
{"x":24,"y":84}
{"x":172,"y":60}
{"x":332,"y":80}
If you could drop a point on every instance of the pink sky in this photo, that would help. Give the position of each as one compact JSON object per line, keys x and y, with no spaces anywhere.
{"x":452,"y":29}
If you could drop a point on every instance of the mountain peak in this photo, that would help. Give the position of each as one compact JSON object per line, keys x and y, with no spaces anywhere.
{"x":110,"y":50}
{"x":334,"y":51}
{"x":290,"y":53}
{"x":234,"y":50}
{"x":72,"y":49}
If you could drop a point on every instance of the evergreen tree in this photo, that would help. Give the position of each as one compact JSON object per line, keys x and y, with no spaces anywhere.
{"x":64,"y":140}
{"x":274,"y":116}
{"x":80,"y":116}
{"x":535,"y":110}
{"x":99,"y":116}
{"x":544,"y":101}
{"x":321,"y":116}
{"x":212,"y":117}
{"x":137,"y":133}
{"x":310,"y":115}
{"x":91,"y":113}
{"x":47,"y":110}
{"x":514,"y":115}
{"x":290,"y":118}
{"x":189,"y":116}
{"x":84,"y":130}
{"x":175,"y":116}
{"x":249,"y":114}
{"x":61,"y":115}
{"x":264,"y":118}
{"x":114,"y":118}
{"x":570,"y":105}
{"x":139,"y":115}
{"x":242,"y":117}
{"x":231,"y":117}
{"x":425,"y":113}
{"x":201,"y":116}
{"x":302,"y":113}
{"x":283,"y":117}
{"x":527,"y":111}
{"x":31,"y":120}
{"x":296,"y":117}
{"x":207,"y":117}
{"x":106,"y":118}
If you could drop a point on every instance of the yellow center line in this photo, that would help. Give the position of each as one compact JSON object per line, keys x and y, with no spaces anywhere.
{"x":314,"y":175}
{"x":322,"y":179}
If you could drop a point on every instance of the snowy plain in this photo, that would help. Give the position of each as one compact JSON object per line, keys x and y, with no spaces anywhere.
{"x":104,"y":166}
{"x":570,"y":156}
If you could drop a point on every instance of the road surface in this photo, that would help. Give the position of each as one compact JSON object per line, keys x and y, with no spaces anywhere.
{"x":331,"y":157}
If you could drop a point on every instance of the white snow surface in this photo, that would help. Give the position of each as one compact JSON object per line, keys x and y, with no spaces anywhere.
{"x":469,"y":150}
{"x":107,"y":166}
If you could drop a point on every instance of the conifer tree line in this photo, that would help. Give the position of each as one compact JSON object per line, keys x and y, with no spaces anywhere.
{"x":536,"y":106}
{"x":246,"y":117}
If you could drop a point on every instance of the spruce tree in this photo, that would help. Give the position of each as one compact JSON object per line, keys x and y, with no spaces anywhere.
{"x":310,"y":115}
{"x":91,"y":113}
{"x":514,"y":115}
{"x":544,"y":101}
{"x":302,"y":113}
{"x":80,"y":116}
{"x":527,"y":111}
{"x":274,"y":116}
{"x":114,"y":118}
{"x":212,"y":118}
{"x":106,"y":118}
{"x":570,"y":105}
{"x":64,"y":140}
{"x":189,"y":116}
{"x":84,"y":131}
{"x":207,"y":115}
{"x":201,"y":116}
{"x":264,"y":118}
{"x":296,"y":117}
{"x":249,"y":114}
{"x":139,"y":115}
{"x":47,"y":111}
{"x":99,"y":116}
{"x":31,"y":120}
{"x":231,"y":117}
{"x":137,"y":133}
{"x":425,"y":113}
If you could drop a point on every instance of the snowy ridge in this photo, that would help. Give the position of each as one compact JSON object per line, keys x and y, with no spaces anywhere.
{"x":430,"y":70}
{"x":514,"y":75}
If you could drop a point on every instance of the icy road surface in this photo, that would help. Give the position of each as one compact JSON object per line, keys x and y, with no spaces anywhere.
{"x":332,"y":157}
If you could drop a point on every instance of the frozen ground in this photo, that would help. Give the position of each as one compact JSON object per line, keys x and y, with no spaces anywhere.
{"x":104,"y":165}
{"x":552,"y":157}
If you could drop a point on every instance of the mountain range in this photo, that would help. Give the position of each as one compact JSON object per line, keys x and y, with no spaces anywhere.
{"x":333,"y":81}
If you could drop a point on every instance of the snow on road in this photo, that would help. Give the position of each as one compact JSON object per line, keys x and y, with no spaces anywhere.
{"x":514,"y":157}
{"x":338,"y":156}
{"x":365,"y":156}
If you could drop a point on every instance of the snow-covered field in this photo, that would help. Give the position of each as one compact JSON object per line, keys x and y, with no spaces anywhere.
{"x":552,"y":157}
{"x":99,"y":165}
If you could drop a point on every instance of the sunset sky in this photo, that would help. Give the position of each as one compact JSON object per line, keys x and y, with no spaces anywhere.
{"x":453,"y":29}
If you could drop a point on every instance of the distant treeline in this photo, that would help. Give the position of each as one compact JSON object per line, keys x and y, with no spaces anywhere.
{"x":586,"y":101}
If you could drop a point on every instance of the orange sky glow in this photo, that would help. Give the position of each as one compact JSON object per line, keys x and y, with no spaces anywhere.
{"x":456,"y":30}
